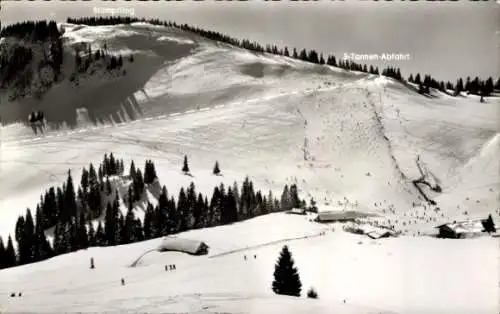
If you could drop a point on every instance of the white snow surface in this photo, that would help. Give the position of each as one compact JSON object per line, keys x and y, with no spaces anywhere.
{"x":350,"y":140}
{"x":400,"y":275}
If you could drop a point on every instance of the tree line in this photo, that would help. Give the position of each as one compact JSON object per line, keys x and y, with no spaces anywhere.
{"x":311,"y":56}
{"x":14,"y":63}
{"x":476,"y":86}
{"x":41,"y":30}
{"x":14,"y":70}
{"x":70,"y":211}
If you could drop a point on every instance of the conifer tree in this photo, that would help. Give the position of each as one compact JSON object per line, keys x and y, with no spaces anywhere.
{"x":156,"y":222}
{"x":92,"y":176}
{"x":110,"y":225}
{"x":82,"y":234}
{"x":214,"y":208}
{"x":120,"y":225}
{"x":138,"y":230}
{"x":19,"y":237}
{"x":122,"y":167}
{"x":191,"y":204}
{"x":132,"y":171}
{"x":286,"y":276}
{"x":128,"y":233}
{"x":286,"y":200}
{"x":294,"y":197}
{"x":66,"y":237}
{"x":152,"y":170}
{"x":489,"y":225}
{"x":70,"y":197}
{"x":182,"y":208}
{"x":138,"y":186}
{"x":418,"y":80}
{"x":198,"y":212}
{"x":10,"y":254}
{"x":216,"y":169}
{"x":3,"y":255}
{"x":50,"y":209}
{"x":100,"y":173}
{"x":29,"y":245}
{"x":459,"y":87}
{"x":173,"y":217}
{"x":73,"y":236}
{"x":312,"y":294}
{"x":92,"y":235}
{"x":270,"y":202}
{"x":488,"y":87}
{"x":160,"y":219}
{"x":148,"y":222}
{"x":39,"y":236}
{"x":84,"y":182}
{"x":100,"y":236}
{"x":109,"y":189}
{"x":185,"y":167}
{"x":112,"y":166}
{"x":231,"y":210}
{"x":149,"y":172}
{"x":105,"y":165}
{"x":57,"y":239}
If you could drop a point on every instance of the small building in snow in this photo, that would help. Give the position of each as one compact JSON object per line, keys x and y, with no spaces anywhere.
{"x":296,"y":211}
{"x":339,"y":216}
{"x":193,"y":247}
{"x":461,"y":230}
{"x":379,"y":234}
{"x":370,"y":231}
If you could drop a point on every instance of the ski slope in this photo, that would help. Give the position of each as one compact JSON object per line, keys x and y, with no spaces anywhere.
{"x":343,"y":138}
{"x":400,"y":275}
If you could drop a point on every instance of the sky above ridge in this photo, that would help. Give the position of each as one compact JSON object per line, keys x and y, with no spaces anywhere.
{"x":446,"y":40}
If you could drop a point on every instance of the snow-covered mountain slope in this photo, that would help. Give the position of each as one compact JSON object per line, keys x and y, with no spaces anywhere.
{"x":347,"y":139}
{"x":401,"y":275}
{"x":341,"y":136}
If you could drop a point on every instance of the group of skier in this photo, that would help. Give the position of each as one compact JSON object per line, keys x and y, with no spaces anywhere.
{"x":170,"y":267}
{"x":37,"y":121}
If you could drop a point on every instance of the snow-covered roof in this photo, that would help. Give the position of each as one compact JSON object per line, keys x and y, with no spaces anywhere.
{"x":180,"y":245}
{"x":339,"y":215}
{"x":377,"y":234}
{"x":470,"y":226}
{"x":299,"y":211}
{"x":371,"y":231}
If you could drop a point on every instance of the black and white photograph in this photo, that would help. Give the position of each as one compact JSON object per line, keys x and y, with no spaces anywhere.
{"x":250,"y":157}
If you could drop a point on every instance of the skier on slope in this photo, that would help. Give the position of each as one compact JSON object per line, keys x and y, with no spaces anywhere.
{"x":31,"y":121}
{"x":37,"y":120}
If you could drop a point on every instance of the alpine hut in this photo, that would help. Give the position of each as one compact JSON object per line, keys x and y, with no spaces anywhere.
{"x":460,"y":230}
{"x":192,"y":247}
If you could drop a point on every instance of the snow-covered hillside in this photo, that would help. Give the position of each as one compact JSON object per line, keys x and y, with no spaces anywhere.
{"x":401,"y":275}
{"x":342,"y":137}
